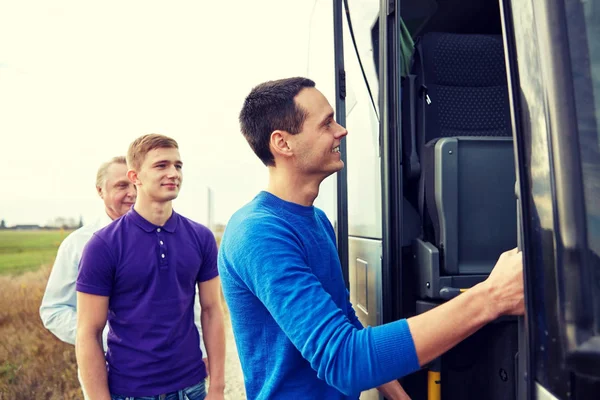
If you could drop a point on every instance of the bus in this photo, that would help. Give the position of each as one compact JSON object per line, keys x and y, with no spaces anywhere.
{"x":473,"y":129}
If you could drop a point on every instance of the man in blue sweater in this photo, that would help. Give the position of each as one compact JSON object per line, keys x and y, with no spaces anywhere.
{"x":296,"y":332}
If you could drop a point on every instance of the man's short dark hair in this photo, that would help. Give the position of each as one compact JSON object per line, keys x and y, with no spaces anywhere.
{"x":270,"y":106}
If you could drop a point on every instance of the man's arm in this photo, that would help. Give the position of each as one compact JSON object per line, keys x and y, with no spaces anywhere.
{"x":58,"y":310}
{"x":500,"y":294}
{"x":91,"y":319}
{"x":391,"y":390}
{"x":94,"y":287}
{"x":198,"y":323}
{"x":352,"y":313}
{"x":213,"y":330}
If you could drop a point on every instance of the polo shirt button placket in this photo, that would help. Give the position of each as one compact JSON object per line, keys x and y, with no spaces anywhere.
{"x":162,"y":250}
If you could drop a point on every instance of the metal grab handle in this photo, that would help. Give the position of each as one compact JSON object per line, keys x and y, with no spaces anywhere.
{"x":448,"y":293}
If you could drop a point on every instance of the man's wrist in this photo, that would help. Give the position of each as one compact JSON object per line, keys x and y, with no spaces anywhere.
{"x":217,"y":387}
{"x":217,"y":382}
{"x":485,"y":296}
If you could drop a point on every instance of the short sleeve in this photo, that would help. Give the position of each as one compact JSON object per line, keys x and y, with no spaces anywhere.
{"x":96,"y":268}
{"x":208,"y":269}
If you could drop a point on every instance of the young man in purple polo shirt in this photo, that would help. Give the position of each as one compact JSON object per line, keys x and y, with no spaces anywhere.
{"x":139,"y":273}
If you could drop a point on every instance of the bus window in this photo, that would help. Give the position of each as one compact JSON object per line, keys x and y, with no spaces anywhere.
{"x":363,"y":14}
{"x":583,"y":23}
{"x":320,"y":68}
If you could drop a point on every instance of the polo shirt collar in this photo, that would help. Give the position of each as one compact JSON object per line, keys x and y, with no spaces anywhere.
{"x":148,"y":226}
{"x":171,"y":223}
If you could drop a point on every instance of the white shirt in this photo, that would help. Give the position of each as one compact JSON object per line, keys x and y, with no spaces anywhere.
{"x":59,"y":305}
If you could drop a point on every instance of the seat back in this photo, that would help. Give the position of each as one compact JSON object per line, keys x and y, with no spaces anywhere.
{"x":463,"y":86}
{"x":470,"y":199}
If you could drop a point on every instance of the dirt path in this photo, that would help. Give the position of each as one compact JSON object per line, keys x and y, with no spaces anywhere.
{"x":234,"y":380}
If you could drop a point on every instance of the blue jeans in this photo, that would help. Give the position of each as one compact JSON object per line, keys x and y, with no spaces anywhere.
{"x":196,"y":392}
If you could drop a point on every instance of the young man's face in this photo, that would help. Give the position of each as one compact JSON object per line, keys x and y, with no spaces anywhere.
{"x":160,"y":175}
{"x":118,"y":193}
{"x":316,"y":147}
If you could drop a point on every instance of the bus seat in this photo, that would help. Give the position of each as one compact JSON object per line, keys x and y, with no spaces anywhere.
{"x":458,"y":147}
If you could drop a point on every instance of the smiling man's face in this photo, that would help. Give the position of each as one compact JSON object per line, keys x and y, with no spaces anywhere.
{"x":316,"y":147}
{"x":160,"y":176}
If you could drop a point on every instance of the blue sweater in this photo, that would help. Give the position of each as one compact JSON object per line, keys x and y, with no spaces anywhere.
{"x":296,"y":332}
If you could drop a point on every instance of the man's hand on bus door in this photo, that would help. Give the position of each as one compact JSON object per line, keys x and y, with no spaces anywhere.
{"x":393,"y":391}
{"x":438,"y":330}
{"x":505,"y":285}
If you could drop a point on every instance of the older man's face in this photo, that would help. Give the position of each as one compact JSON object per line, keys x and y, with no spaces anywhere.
{"x":118,"y":193}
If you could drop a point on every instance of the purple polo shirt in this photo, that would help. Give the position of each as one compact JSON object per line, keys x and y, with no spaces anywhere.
{"x":149,"y":273}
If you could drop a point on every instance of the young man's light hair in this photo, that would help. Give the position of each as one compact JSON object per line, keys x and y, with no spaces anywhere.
{"x":144,"y":144}
{"x":101,"y":174}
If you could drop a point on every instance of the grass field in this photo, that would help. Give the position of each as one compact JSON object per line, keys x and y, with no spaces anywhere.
{"x":22,"y":251}
{"x":33,"y":363}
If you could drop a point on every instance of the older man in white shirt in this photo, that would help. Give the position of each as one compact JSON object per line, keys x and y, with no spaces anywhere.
{"x":59,"y":305}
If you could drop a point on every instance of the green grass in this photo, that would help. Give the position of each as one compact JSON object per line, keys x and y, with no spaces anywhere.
{"x":22,"y":251}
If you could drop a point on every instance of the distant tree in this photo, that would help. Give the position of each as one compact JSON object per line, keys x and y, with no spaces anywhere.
{"x":59,"y":222}
{"x":80,"y":221}
{"x":2,"y":224}
{"x":64,"y":223}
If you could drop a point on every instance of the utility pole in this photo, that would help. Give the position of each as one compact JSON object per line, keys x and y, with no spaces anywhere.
{"x":210,"y":209}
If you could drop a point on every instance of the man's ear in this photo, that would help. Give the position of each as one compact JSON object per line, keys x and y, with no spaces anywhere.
{"x":280,"y":145}
{"x":100,"y":192}
{"x":133,"y":177}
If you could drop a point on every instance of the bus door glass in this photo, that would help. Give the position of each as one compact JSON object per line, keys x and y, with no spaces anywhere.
{"x":583,"y":25}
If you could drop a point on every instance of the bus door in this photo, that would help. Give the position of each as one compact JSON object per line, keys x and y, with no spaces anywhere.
{"x":554,"y":73}
{"x":363,"y":163}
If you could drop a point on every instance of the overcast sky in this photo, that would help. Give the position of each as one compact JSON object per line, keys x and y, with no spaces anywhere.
{"x":80,"y":80}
